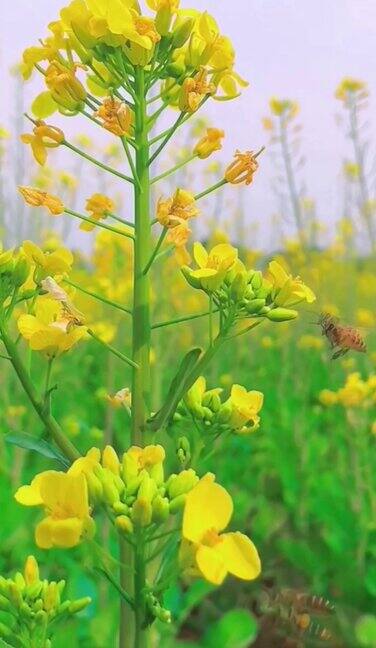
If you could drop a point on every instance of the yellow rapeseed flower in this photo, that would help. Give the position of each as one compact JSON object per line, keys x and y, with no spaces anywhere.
{"x":213,"y":265}
{"x":43,"y":138}
{"x":64,"y":498}
{"x":288,"y":291}
{"x":50,"y":264}
{"x":116,"y":116}
{"x":209,"y":143}
{"x":98,"y":206}
{"x":213,"y":554}
{"x":350,"y":87}
{"x":36,"y":198}
{"x":194,"y":90}
{"x":242,"y":169}
{"x":245,"y":408}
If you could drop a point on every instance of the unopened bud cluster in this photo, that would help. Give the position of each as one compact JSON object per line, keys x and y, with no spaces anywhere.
{"x":33,"y":605}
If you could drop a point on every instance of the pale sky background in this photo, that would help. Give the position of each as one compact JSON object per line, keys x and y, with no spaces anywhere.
{"x":299,"y":49}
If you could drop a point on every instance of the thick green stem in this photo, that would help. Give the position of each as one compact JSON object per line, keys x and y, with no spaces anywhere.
{"x":53,"y":428}
{"x":141,"y":292}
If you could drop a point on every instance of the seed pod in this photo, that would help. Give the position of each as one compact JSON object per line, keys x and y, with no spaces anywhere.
{"x":282,"y":314}
{"x":177,"y":504}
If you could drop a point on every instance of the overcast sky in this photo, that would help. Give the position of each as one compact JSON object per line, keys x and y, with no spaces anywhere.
{"x":289,"y":48}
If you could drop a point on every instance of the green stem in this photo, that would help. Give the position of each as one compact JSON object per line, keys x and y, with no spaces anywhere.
{"x":121,"y":220}
{"x":98,"y":297}
{"x":214,"y":187}
{"x":156,"y":250}
{"x":141,"y":292}
{"x":112,"y":349}
{"x":53,"y":428}
{"x":179,"y":320}
{"x":96,"y":162}
{"x":174,"y":169}
{"x":86,"y":219}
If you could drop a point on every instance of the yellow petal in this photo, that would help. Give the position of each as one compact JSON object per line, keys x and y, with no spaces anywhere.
{"x":43,"y":534}
{"x":67,"y":533}
{"x":211,"y":564}
{"x":30,"y":495}
{"x":200,"y":254}
{"x":208,"y":506}
{"x":28,"y":325}
{"x":239,"y":555}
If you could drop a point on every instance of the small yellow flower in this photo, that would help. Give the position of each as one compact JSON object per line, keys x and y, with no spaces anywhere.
{"x":310,"y":342}
{"x":373,"y":428}
{"x":213,"y":554}
{"x":116,"y":116}
{"x":37,"y":198}
{"x":209,"y":143}
{"x":65,"y":88}
{"x":98,"y":206}
{"x":350,"y":87}
{"x":213,"y":266}
{"x":283,"y":107}
{"x":51,"y":330}
{"x":328,"y":398}
{"x":176,"y":210}
{"x":43,"y":138}
{"x":194,"y":90}
{"x":64,"y":498}
{"x":31,"y":571}
{"x":242,"y":169}
{"x":122,"y":398}
{"x":245,"y":409}
{"x":267,"y":124}
{"x":287,"y":290}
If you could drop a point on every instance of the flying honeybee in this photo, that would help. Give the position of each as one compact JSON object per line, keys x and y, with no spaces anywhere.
{"x":341,"y":338}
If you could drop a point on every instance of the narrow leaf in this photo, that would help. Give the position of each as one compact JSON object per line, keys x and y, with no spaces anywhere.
{"x":175,"y":393}
{"x":40,"y":446}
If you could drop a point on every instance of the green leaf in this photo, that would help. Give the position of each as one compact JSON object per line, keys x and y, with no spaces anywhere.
{"x":40,"y":446}
{"x":365,"y":631}
{"x":236,"y":629}
{"x":176,"y":391}
{"x":43,"y":105}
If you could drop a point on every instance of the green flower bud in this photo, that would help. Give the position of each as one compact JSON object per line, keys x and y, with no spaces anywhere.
{"x":38,"y":605}
{"x":175,"y":70}
{"x":120,"y":508}
{"x":64,"y":607}
{"x":193,"y":281}
{"x":79,"y":605}
{"x":183,"y":483}
{"x":239,"y":286}
{"x":141,"y":512}
{"x":21,"y":271}
{"x":256,"y":281}
{"x":183,"y":450}
{"x":177,"y":504}
{"x":110,"y":492}
{"x":124,"y":524}
{"x":249,"y":292}
{"x":182,"y":31}
{"x":282,"y":314}
{"x":14,"y":594}
{"x":51,"y":597}
{"x":254,"y":306}
{"x":264,"y":310}
{"x":160,"y":509}
{"x":163,"y":21}
{"x":225,"y":412}
{"x":148,"y":488}
{"x":41,"y":617}
{"x":4,"y":603}
{"x":26,"y":611}
{"x":212,"y":400}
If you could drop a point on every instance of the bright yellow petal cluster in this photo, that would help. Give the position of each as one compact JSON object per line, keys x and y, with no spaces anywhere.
{"x":213,"y":266}
{"x":245,"y":406}
{"x":49,"y":263}
{"x":52,"y":330}
{"x":98,"y":206}
{"x":288,"y":291}
{"x":209,"y":143}
{"x":242,"y":169}
{"x":350,"y":87}
{"x":116,"y":116}
{"x":64,"y":498}
{"x":207,"y":551}
{"x":356,"y":392}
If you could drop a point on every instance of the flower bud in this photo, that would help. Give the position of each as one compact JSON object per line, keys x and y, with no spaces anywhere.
{"x":182,"y":31}
{"x":254,"y":306}
{"x":238,"y":286}
{"x":110,"y":460}
{"x":51,"y":597}
{"x":31,"y":571}
{"x":183,"y":483}
{"x":79,"y":604}
{"x":212,"y":400}
{"x":141,"y":512}
{"x":120,"y":508}
{"x":148,"y":488}
{"x":110,"y":492}
{"x":160,"y":509}
{"x":256,"y":281}
{"x":163,"y":20}
{"x":124,"y":524}
{"x":183,"y":450}
{"x":225,"y":412}
{"x":193,"y":281}
{"x":21,"y":271}
{"x":177,"y":504}
{"x":282,"y":314}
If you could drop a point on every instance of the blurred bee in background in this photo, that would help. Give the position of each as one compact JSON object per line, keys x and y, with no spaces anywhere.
{"x":341,"y":338}
{"x":290,"y":618}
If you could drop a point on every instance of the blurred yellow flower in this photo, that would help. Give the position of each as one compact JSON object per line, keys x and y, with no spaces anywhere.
{"x":37,"y":198}
{"x":310,"y":342}
{"x":288,"y":291}
{"x":98,"y":206}
{"x":328,"y":398}
{"x":64,"y":498}
{"x":57,"y":262}
{"x":122,"y":398}
{"x":176,"y":210}
{"x":350,"y":86}
{"x":207,"y":512}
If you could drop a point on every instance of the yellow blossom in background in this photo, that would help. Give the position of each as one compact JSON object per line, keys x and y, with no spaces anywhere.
{"x":98,"y":206}
{"x":287,"y":290}
{"x":351,"y":170}
{"x":267,"y":342}
{"x":349,"y":87}
{"x":373,"y":428}
{"x":64,"y":498}
{"x":209,"y":143}
{"x":122,"y":398}
{"x":242,"y":169}
{"x":176,"y":210}
{"x":267,"y":123}
{"x":51,"y":329}
{"x":106,"y":331}
{"x":283,"y":107}
{"x":310,"y":342}
{"x":43,"y":137}
{"x":328,"y":398}
{"x":214,"y":555}
{"x":37,"y":198}
{"x":116,"y":116}
{"x":365,"y":317}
